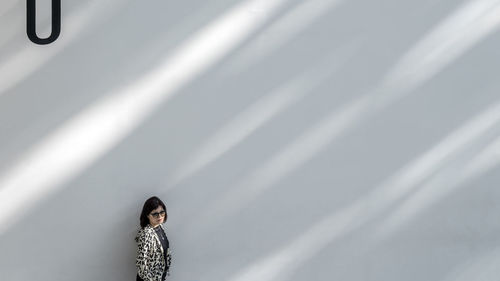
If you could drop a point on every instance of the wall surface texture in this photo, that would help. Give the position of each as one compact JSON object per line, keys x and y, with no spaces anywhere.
{"x":291,"y":140}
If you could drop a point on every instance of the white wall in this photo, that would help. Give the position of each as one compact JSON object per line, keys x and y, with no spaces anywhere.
{"x":291,"y":140}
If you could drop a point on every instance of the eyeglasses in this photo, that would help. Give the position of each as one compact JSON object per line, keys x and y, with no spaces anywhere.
{"x":158,"y":214}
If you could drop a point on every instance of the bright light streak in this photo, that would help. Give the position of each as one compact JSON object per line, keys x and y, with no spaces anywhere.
{"x":82,"y":140}
{"x":486,"y":160}
{"x":451,"y":177}
{"x":280,"y":264}
{"x":282,"y":31}
{"x":243,"y":125}
{"x":472,"y":22}
{"x":452,"y":38}
{"x":33,"y":57}
{"x":458,"y":33}
{"x":281,"y":164}
{"x":257,"y":114}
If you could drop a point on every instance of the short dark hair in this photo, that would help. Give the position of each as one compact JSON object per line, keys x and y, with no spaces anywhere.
{"x":150,"y":204}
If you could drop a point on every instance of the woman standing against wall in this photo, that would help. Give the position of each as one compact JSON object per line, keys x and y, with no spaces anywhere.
{"x":153,"y":253}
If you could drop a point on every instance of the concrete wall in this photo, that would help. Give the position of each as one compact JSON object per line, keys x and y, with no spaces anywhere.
{"x":291,"y":140}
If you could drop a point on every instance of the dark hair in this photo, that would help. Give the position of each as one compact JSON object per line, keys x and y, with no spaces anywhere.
{"x":150,"y":204}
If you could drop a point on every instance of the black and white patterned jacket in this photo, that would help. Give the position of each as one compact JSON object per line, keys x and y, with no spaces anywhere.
{"x":150,"y":261}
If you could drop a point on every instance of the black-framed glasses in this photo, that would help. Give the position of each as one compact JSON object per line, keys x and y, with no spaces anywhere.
{"x":158,"y":214}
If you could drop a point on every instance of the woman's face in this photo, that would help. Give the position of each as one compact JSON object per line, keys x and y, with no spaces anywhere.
{"x":157,"y":216}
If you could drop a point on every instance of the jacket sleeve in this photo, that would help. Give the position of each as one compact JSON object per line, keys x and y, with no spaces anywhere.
{"x":143,"y":248}
{"x":168,"y":261}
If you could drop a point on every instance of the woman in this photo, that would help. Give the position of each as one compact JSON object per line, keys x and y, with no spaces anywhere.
{"x":153,"y":253}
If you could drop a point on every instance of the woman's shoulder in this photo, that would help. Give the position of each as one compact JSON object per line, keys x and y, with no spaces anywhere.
{"x":144,"y":232}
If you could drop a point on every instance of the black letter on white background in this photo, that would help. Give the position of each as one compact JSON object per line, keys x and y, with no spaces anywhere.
{"x":31,"y":22}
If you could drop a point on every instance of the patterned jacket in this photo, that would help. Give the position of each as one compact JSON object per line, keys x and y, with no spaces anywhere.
{"x":150,"y":261}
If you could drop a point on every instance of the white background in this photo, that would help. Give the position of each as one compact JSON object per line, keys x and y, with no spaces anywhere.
{"x":290,"y":140}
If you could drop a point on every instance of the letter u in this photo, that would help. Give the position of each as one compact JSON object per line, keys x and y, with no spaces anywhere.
{"x":31,"y":22}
